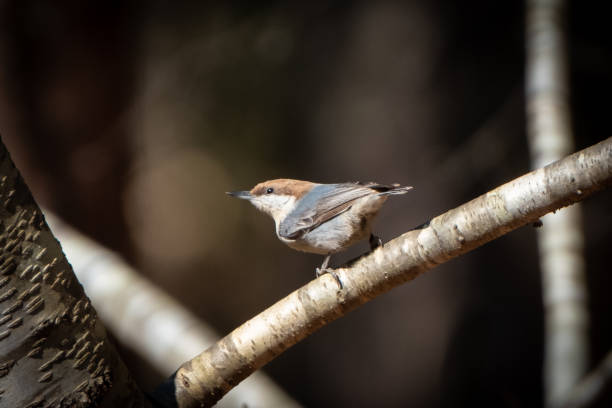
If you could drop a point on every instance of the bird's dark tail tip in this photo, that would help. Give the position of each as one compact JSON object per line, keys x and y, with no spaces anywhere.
{"x":396,"y":189}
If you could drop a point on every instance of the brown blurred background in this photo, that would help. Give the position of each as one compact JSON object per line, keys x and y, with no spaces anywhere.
{"x":131,"y":119}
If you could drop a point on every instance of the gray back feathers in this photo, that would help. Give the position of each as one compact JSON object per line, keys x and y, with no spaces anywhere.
{"x":326,"y":201}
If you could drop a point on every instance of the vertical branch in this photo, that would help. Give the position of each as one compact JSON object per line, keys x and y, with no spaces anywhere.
{"x":592,"y":385}
{"x":560,"y":240}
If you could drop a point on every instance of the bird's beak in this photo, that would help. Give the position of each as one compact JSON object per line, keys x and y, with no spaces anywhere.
{"x":243,"y":195}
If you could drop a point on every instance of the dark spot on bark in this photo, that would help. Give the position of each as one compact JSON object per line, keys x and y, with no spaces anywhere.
{"x":186,"y":382}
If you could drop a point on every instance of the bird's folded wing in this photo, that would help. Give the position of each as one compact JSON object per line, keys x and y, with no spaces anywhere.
{"x":321,"y":204}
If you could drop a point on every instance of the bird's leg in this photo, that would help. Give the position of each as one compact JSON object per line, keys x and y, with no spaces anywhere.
{"x":324,"y":269}
{"x":375,"y":242}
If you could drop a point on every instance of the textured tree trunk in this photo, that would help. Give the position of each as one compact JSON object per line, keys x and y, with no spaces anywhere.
{"x":161,"y":330}
{"x":53,"y":349}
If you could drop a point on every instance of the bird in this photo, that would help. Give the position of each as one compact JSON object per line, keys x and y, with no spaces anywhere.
{"x":321,"y":218}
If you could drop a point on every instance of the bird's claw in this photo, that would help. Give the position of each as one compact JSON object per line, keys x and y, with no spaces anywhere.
{"x":323,"y":271}
{"x":375,"y":242}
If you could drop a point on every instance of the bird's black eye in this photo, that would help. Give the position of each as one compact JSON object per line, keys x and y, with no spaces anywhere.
{"x":270,"y":190}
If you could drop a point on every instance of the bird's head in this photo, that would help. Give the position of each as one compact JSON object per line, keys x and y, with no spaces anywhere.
{"x":276,"y":198}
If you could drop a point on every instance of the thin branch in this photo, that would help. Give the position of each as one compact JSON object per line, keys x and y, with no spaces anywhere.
{"x":149,"y":321}
{"x":591,"y":386}
{"x":560,"y":241}
{"x":206,"y":378}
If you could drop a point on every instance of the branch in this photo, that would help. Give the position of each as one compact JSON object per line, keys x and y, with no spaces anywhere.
{"x":591,"y":386}
{"x":147,"y":320}
{"x":206,"y":378}
{"x":560,"y":241}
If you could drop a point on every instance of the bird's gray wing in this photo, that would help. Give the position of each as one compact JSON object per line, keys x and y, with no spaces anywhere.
{"x":319,"y":205}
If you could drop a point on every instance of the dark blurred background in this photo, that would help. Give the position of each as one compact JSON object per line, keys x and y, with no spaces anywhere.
{"x":131,"y":119}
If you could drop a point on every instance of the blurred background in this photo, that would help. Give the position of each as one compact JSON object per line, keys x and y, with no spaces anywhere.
{"x":131,"y":119}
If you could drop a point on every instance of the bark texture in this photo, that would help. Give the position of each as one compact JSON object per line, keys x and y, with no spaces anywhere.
{"x":148,"y":320}
{"x":206,"y":378}
{"x":53,"y":349}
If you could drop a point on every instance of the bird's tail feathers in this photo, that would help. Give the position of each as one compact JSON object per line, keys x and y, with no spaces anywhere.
{"x":396,"y":189}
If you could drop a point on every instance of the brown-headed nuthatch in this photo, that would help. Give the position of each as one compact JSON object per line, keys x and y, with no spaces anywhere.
{"x":321,"y":218}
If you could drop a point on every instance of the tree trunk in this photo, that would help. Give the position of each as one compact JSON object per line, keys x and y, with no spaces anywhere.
{"x":54,"y":351}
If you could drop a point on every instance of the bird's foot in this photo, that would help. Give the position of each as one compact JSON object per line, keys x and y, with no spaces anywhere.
{"x":375,"y":242}
{"x":323,"y":271}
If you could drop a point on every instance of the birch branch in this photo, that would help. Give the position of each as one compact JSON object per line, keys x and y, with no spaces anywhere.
{"x":206,"y":378}
{"x":148,"y":320}
{"x":591,"y":386}
{"x":560,"y":241}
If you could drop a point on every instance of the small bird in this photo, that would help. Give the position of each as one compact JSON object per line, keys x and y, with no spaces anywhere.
{"x":321,"y":218}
